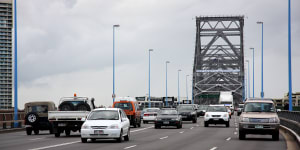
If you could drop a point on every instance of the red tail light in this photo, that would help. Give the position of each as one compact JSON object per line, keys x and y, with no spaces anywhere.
{"x":146,"y":115}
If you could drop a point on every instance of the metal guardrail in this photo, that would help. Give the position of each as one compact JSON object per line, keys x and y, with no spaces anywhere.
{"x":7,"y":120}
{"x":290,"y":119}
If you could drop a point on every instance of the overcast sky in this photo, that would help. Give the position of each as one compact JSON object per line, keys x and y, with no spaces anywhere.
{"x":65,"y":46}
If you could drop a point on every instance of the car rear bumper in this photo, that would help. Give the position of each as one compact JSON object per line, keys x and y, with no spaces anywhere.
{"x":167,"y":123}
{"x":149,"y":118}
{"x":106,"y":134}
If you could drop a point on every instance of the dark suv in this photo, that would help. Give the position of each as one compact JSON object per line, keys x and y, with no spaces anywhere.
{"x":188,"y":112}
{"x":37,"y":116}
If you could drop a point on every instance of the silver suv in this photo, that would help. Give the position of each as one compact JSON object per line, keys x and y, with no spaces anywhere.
{"x":259,"y":117}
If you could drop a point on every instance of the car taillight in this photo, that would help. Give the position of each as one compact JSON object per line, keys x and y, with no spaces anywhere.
{"x":146,"y":114}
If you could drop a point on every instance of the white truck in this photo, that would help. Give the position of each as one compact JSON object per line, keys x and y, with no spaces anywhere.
{"x":70,"y":114}
{"x":226,"y":98}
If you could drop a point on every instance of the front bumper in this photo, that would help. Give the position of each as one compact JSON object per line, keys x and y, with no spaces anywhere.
{"x":261,"y":128}
{"x":167,"y":123}
{"x":216,"y":120}
{"x":106,"y":134}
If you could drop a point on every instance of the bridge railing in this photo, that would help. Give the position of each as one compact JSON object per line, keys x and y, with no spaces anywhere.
{"x":290,"y":119}
{"x":7,"y":120}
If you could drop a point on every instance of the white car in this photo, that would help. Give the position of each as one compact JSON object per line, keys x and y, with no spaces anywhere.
{"x":216,"y":115}
{"x":106,"y":123}
{"x":150,"y":115}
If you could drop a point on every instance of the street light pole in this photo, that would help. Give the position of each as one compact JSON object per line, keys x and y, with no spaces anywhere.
{"x":290,"y":59}
{"x":149,"y":105}
{"x":248,"y":78}
{"x":167,"y":83}
{"x":16,"y":68}
{"x":178,"y":98}
{"x":252,"y":70}
{"x":114,"y":95}
{"x":186,"y":87}
{"x":262,"y":58}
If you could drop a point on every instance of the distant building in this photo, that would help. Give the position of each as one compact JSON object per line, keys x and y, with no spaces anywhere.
{"x":6,"y":25}
{"x":285,"y":99}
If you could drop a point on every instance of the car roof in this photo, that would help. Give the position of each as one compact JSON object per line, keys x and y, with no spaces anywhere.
{"x":217,"y":105}
{"x":260,"y":101}
{"x":106,"y":109}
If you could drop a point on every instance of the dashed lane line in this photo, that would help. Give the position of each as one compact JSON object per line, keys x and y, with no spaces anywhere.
{"x":141,"y":129}
{"x":192,"y":127}
{"x":234,"y":132}
{"x":36,"y":139}
{"x":181,"y":132}
{"x":214,"y":148}
{"x":57,"y":145}
{"x":164,"y":137}
{"x":130,"y":147}
{"x":228,"y":139}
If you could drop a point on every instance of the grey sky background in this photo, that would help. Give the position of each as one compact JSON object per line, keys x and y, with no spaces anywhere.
{"x":65,"y":46}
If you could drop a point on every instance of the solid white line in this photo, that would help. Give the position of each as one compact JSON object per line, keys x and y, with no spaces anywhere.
{"x":235,"y":132}
{"x":192,"y":127}
{"x":164,"y":137}
{"x":228,"y":139}
{"x":54,"y":145}
{"x":141,"y":129}
{"x":181,"y":132}
{"x":130,"y":147}
{"x":214,"y":148}
{"x":37,"y":139}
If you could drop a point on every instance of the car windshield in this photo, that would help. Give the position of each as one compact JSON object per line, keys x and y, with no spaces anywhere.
{"x":259,"y":107}
{"x":185,"y":107}
{"x":168,"y":112}
{"x":152,"y":110}
{"x":125,"y":106}
{"x":104,"y":115}
{"x":217,"y":109}
{"x":38,"y":108}
{"x":202,"y":107}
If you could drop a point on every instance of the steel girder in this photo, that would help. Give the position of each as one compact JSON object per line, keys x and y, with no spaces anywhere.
{"x":219,"y":58}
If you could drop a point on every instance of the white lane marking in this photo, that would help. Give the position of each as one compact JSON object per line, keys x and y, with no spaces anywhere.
{"x":51,"y":146}
{"x":192,"y":127}
{"x":164,"y":137}
{"x":181,"y":132}
{"x":235,"y":132}
{"x":236,"y":128}
{"x":228,"y":139}
{"x":214,"y":148}
{"x":141,"y":129}
{"x":130,"y":147}
{"x":37,"y":139}
{"x":197,"y":125}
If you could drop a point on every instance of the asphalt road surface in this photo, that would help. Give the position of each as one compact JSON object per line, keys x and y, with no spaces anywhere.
{"x":193,"y":136}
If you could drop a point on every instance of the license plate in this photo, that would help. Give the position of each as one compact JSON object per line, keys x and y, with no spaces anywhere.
{"x":216,"y":118}
{"x":62,"y":124}
{"x":166,"y":122}
{"x":98,"y":131}
{"x":259,"y":126}
{"x":184,"y":116}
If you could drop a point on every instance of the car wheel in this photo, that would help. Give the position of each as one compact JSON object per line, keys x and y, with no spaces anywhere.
{"x":275,"y":136}
{"x":51,"y":130}
{"x":66,"y":106}
{"x":227,"y":124}
{"x":126,"y":138}
{"x":83,"y":140}
{"x":83,"y":107}
{"x":120,"y":139}
{"x":68,"y":132}
{"x":57,"y":134}
{"x":139,"y":124}
{"x":93,"y":140}
{"x":145,"y":122}
{"x":28,"y":131}
{"x":36,"y":131}
{"x":242,"y":135}
{"x":32,"y":118}
{"x":134,"y":124}
{"x":157,"y":127}
{"x":205,"y":124}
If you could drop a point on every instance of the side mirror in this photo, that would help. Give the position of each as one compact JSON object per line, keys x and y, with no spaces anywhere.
{"x":278,"y":110}
{"x":83,"y":119}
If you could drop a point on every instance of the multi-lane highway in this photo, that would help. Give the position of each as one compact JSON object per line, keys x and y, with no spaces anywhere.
{"x":191,"y":137}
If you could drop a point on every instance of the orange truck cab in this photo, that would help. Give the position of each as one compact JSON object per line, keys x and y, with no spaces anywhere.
{"x":131,"y":108}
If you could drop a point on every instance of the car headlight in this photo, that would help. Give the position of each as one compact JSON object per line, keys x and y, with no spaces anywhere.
{"x":158,"y":119}
{"x":225,"y":115}
{"x":85,"y":126}
{"x":244,"y":119}
{"x":273,"y":120}
{"x":114,"y":126}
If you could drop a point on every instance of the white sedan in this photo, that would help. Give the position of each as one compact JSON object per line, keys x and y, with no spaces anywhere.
{"x":216,"y":115}
{"x":106,"y":123}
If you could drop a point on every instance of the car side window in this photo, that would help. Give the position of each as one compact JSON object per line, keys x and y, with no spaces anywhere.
{"x":123,"y":114}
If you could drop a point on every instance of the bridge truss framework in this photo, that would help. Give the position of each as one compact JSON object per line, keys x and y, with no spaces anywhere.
{"x":219,"y":59}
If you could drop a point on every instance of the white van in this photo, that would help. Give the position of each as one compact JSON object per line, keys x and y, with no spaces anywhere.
{"x":226,"y":99}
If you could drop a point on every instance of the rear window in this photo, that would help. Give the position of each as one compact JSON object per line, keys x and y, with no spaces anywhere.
{"x":104,"y":115}
{"x":124,"y":106}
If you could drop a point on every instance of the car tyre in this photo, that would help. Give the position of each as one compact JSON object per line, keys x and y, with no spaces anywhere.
{"x":195,"y":120}
{"x":57,"y":134}
{"x":205,"y":124}
{"x":145,"y":122}
{"x":83,"y":107}
{"x":275,"y":136}
{"x":68,"y":132}
{"x":83,"y":140}
{"x":32,"y":118}
{"x":126,"y":138}
{"x":227,"y":124}
{"x":157,"y":127}
{"x":120,"y":139}
{"x":242,"y":135}
{"x":66,"y":106}
{"x":28,"y":131}
{"x":93,"y":140}
{"x":36,"y":131}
